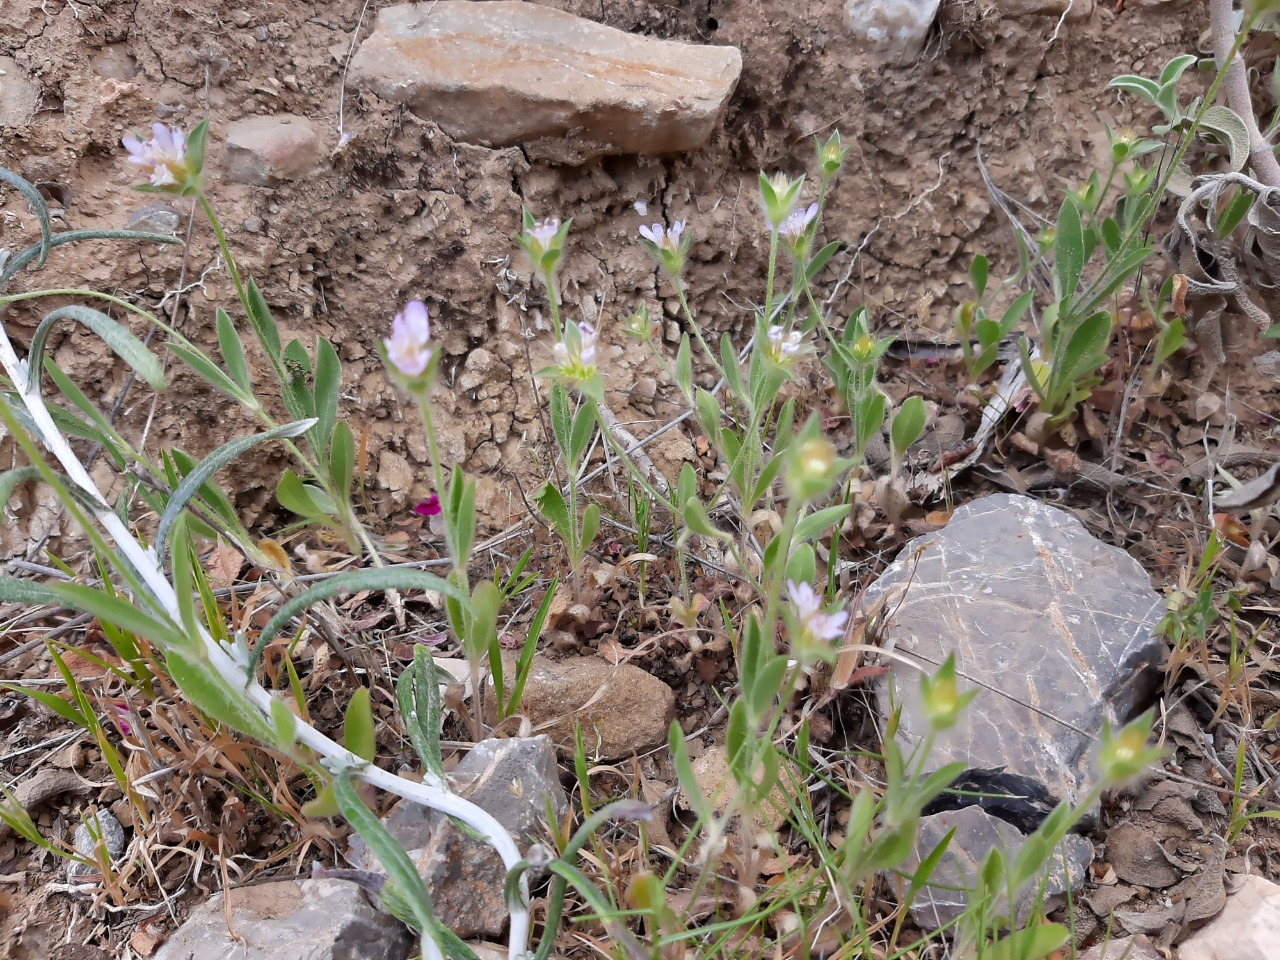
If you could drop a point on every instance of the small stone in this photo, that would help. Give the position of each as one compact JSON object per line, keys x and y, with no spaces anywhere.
{"x":894,"y":29}
{"x":1055,"y":629}
{"x":1247,"y":929}
{"x":396,"y":475}
{"x":252,"y":225}
{"x":622,"y":710}
{"x":1137,"y":857}
{"x":108,"y":828}
{"x":511,"y":779}
{"x":290,"y":920}
{"x":502,"y":73}
{"x":19,"y":95}
{"x":267,"y":150}
{"x":1139,"y":947}
{"x":977,"y":833}
{"x":241,"y":18}
{"x":157,"y":218}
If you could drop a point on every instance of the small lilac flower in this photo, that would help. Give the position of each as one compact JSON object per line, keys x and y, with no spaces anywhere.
{"x":782,"y":345}
{"x":797,"y":223}
{"x":163,"y":156}
{"x":815,"y":624}
{"x":543,"y":232}
{"x":666,"y":239}
{"x":429,"y":507}
{"x":409,"y":346}
{"x":575,"y":362}
{"x":668,"y":245}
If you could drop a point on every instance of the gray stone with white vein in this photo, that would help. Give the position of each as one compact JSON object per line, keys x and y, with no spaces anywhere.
{"x":1056,"y":630}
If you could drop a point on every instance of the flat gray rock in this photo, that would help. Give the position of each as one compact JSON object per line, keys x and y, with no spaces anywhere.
{"x":977,"y":833}
{"x":1055,"y":629}
{"x":502,"y":73}
{"x":290,"y":920}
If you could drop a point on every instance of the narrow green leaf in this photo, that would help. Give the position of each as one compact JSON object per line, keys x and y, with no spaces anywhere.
{"x":198,"y":477}
{"x":539,"y":620}
{"x":1235,"y":211}
{"x":819,"y":522}
{"x":908,"y":424}
{"x":400,"y":869}
{"x":263,"y":324}
{"x":590,"y":525}
{"x":1068,"y":249}
{"x":328,"y":389}
{"x":116,"y":336}
{"x":342,"y":459}
{"x":684,"y":368}
{"x":38,"y":207}
{"x":358,"y":733}
{"x":24,"y":257}
{"x":210,"y":692}
{"x":554,"y":510}
{"x":63,"y":708}
{"x":301,"y":499}
{"x":978,"y":272}
{"x":562,"y":419}
{"x":384,"y":578}
{"x":820,"y":259}
{"x":696,"y":520}
{"x":1030,"y":943}
{"x":584,"y":423}
{"x":233,"y":351}
{"x":211,"y":373}
{"x":418,"y":695}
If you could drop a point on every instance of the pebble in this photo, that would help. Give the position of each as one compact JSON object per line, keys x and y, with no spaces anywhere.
{"x":266,"y":150}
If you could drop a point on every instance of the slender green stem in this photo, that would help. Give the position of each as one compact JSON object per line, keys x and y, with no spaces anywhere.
{"x":697,"y":330}
{"x":553,"y":302}
{"x":212,"y":217}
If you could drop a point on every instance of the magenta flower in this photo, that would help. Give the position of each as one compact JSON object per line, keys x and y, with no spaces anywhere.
{"x":409,"y":346}
{"x":814,"y":623}
{"x":163,"y":157}
{"x":429,"y":507}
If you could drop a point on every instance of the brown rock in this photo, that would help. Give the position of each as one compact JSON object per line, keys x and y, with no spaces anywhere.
{"x":19,"y":95}
{"x":1123,"y":948}
{"x":266,"y":150}
{"x":501,"y":73}
{"x":622,"y":710}
{"x":513,"y":780}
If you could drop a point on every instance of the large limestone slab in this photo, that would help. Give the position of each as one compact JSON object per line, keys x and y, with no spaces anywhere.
{"x":1056,"y":630}
{"x":501,"y":73}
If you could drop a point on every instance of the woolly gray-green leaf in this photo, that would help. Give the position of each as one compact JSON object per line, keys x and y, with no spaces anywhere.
{"x":115,"y":335}
{"x":210,"y":465}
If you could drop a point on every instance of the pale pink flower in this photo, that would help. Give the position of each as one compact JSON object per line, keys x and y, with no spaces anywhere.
{"x":543,"y":232}
{"x":667,"y":239}
{"x":163,"y":157}
{"x":583,"y":363}
{"x":827,"y":627}
{"x":782,"y":345}
{"x":409,"y":346}
{"x":797,"y":222}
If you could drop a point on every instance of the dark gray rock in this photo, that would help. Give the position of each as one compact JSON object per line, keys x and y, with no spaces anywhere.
{"x":513,"y":780}
{"x":502,"y":73}
{"x":290,"y":920}
{"x":1055,"y":629}
{"x":977,"y":833}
